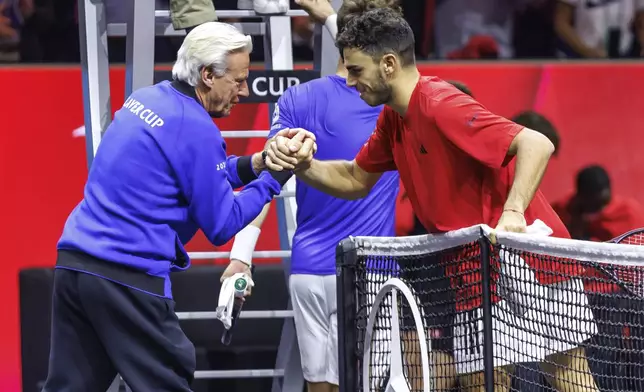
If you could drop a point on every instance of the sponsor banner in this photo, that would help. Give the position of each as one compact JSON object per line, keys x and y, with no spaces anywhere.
{"x":596,"y":108}
{"x":264,"y":86}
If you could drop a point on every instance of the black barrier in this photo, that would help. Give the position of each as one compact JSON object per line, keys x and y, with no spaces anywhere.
{"x":196,"y":289}
{"x":265,"y":86}
{"x":36,"y":285}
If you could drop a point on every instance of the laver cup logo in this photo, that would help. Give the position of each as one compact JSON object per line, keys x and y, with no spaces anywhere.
{"x":264,"y":86}
{"x":240,"y":284}
{"x":268,"y":86}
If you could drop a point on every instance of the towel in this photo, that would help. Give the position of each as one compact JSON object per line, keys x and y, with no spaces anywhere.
{"x":517,"y":283}
{"x":227,"y":295}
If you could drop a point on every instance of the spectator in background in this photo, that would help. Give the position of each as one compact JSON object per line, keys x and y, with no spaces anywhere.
{"x":50,"y":34}
{"x":475,"y":28}
{"x":595,"y":28}
{"x":188,"y":14}
{"x":639,"y":27}
{"x":539,"y":123}
{"x":594,"y":212}
{"x":12,"y":16}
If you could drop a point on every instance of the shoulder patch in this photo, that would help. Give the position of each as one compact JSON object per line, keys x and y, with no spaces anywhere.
{"x":276,"y":114}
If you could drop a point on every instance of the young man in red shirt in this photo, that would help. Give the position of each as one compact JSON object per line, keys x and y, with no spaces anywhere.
{"x":461,"y":166}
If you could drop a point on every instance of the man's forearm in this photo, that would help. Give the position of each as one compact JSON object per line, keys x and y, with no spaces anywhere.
{"x":532,"y":155}
{"x":246,"y":239}
{"x":335,"y":178}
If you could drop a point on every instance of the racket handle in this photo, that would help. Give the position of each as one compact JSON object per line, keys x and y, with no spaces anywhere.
{"x":227,"y":336}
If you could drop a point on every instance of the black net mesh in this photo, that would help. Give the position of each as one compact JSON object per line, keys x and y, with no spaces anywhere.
{"x":556,"y":324}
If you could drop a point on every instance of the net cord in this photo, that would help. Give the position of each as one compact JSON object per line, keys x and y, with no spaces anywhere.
{"x":597,"y":252}
{"x":392,"y":285}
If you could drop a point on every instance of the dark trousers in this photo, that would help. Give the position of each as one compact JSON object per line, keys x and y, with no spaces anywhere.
{"x":100,"y":328}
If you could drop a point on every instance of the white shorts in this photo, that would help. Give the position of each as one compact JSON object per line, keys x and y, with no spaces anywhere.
{"x":558,"y":319}
{"x":316,"y":325}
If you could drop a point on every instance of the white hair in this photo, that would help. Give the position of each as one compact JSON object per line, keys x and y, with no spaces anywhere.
{"x":208,"y":45}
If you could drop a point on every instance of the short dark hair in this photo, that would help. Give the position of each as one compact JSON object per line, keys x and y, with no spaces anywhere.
{"x":461,"y":86}
{"x":538,"y":122}
{"x":592,"y":180}
{"x":378,"y":32}
{"x":350,"y":8}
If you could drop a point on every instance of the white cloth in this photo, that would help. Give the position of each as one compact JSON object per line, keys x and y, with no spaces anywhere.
{"x":532,"y":320}
{"x":557,"y":322}
{"x":518,"y":283}
{"x":227,"y":295}
{"x":271,"y":7}
{"x":594,"y":19}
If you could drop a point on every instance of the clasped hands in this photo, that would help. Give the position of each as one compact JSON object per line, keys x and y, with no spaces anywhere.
{"x":291,"y":149}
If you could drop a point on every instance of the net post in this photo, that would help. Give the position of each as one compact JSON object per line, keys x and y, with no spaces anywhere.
{"x":486,"y":292}
{"x":346,"y":261}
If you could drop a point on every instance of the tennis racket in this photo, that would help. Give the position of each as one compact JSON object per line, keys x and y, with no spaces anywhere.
{"x":227,"y":336}
{"x":628,"y":277}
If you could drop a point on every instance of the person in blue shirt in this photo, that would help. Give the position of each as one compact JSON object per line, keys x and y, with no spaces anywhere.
{"x":160,"y":174}
{"x":341,"y":123}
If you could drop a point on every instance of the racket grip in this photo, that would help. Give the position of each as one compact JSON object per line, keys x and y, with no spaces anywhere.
{"x":237,"y":307}
{"x":228,"y":334}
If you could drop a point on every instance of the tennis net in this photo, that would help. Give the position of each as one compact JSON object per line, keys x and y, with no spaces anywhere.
{"x":529,"y":313}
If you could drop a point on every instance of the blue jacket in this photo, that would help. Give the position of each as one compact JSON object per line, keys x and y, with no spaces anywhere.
{"x":160,"y":174}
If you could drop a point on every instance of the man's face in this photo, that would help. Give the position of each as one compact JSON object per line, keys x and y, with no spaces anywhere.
{"x":594,"y":202}
{"x":226,"y":90}
{"x":367,"y":76}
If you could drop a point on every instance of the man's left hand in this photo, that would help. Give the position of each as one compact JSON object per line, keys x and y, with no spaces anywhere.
{"x":512,"y":221}
{"x":237,"y":266}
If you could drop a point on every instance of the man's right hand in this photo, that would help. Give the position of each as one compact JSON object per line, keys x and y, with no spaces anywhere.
{"x":291,"y":149}
{"x":319,"y":10}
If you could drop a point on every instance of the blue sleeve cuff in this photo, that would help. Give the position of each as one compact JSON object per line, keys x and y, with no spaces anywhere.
{"x":245,"y":170}
{"x":280,"y":177}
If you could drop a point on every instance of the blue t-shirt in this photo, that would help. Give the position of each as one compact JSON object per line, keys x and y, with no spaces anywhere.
{"x":342,"y":122}
{"x":160,"y":174}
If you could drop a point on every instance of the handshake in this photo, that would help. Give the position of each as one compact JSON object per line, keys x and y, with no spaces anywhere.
{"x":290,"y":149}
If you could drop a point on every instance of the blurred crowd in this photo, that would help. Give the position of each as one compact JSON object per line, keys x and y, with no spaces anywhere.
{"x":37,"y":31}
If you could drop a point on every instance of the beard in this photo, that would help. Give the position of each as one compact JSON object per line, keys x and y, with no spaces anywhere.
{"x":379,"y":93}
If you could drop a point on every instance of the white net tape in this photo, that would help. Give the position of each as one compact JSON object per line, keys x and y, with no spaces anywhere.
{"x":597,"y":252}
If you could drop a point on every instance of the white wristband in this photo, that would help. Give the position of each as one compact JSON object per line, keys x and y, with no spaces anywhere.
{"x":331,"y":24}
{"x":244,"y":244}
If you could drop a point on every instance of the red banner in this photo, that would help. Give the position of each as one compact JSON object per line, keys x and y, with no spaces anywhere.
{"x":596,"y":108}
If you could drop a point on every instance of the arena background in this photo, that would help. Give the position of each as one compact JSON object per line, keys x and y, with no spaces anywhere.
{"x":597,"y":108}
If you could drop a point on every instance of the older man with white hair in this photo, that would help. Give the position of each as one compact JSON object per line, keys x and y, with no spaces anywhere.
{"x":160,"y":174}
